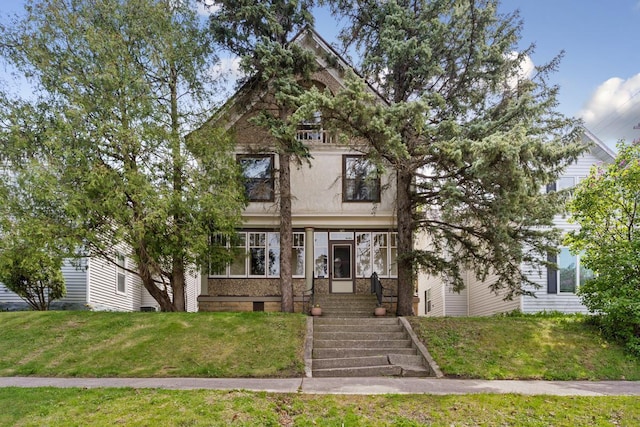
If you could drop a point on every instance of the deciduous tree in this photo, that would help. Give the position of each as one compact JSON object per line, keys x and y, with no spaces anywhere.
{"x":120,"y":85}
{"x":606,"y":205}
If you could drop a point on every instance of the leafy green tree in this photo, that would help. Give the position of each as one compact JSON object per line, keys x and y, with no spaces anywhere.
{"x":119,"y":87}
{"x":606,"y":205}
{"x":30,"y":265}
{"x":470,"y":139}
{"x":260,"y":34}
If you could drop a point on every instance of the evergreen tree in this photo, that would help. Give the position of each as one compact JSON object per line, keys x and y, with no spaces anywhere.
{"x":470,"y":139}
{"x":120,"y":84}
{"x":260,"y":34}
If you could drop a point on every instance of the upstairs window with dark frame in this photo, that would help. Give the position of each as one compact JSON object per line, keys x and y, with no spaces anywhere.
{"x":360,"y":180}
{"x":258,"y":176}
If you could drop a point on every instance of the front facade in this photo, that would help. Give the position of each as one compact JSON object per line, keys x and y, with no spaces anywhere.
{"x":343,"y":214}
{"x":556,"y":289}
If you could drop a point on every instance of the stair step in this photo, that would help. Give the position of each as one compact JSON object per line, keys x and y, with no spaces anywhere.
{"x":351,"y":362}
{"x":362,"y":343}
{"x":370,"y":321}
{"x":359,"y":336}
{"x":365,"y":371}
{"x":358,"y":328}
{"x":333,"y":353}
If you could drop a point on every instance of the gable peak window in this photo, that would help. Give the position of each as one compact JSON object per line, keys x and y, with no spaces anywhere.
{"x":258,"y":172}
{"x":360,"y":179}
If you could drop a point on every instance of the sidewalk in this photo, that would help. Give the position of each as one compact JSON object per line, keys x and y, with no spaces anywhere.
{"x":369,"y":385}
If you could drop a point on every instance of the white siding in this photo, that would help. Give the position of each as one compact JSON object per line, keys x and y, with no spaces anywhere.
{"x":75,"y":278}
{"x":437,"y":295}
{"x":564,"y":302}
{"x":103,"y":292}
{"x":456,"y":303}
{"x":192,"y":291}
{"x":484,"y":302}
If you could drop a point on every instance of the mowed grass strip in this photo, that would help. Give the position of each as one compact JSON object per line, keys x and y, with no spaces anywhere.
{"x":99,"y":344}
{"x":147,"y":407}
{"x":548,"y":347}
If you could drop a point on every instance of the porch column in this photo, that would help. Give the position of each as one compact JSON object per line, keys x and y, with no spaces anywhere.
{"x":308,"y":257}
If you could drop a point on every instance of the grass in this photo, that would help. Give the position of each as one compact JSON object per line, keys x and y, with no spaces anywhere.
{"x":551,"y":347}
{"x":91,"y":344}
{"x":144,"y":407}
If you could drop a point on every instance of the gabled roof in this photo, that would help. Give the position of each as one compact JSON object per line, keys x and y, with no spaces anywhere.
{"x":598,"y":148}
{"x":327,"y":58}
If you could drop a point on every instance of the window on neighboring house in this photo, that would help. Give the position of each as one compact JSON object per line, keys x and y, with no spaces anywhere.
{"x":257,"y":254}
{"x":361,"y":181}
{"x":427,"y":301}
{"x":562,"y":183}
{"x":258,"y":177}
{"x":121,"y":276}
{"x":569,"y":275}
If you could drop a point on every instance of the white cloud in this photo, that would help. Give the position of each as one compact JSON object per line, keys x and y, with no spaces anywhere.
{"x":525,"y":71}
{"x":207,"y":7}
{"x":614,"y":109}
{"x":227,"y":68}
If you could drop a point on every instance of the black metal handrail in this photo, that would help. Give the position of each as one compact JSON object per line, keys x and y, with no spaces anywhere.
{"x":311,"y":292}
{"x":376,"y":287}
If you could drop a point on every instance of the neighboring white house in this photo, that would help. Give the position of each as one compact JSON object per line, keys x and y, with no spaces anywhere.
{"x":557,"y":287}
{"x":97,"y":284}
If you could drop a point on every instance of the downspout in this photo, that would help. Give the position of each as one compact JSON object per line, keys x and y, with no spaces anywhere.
{"x":87,"y":279}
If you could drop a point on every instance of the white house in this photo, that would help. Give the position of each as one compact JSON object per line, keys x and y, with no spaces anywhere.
{"x":557,"y":287}
{"x":97,"y":284}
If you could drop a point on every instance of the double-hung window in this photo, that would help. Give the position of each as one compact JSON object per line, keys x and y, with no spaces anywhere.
{"x":121,"y":276}
{"x":361,"y":180}
{"x":258,"y":177}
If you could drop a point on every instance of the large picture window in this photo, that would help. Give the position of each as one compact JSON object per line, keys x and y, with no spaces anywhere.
{"x":361,"y":181}
{"x":571,"y":274}
{"x":258,"y":177}
{"x":257,"y":254}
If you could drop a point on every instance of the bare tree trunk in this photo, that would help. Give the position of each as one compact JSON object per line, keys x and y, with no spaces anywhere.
{"x":405,"y":245}
{"x":178,"y":285}
{"x":286,"y":232}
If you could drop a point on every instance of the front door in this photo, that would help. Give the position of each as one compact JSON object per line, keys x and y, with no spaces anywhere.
{"x":342,"y":268}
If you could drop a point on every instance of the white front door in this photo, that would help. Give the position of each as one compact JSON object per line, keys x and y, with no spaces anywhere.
{"x":342,"y":268}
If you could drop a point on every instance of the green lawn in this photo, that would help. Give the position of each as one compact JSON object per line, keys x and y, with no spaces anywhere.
{"x":142,"y":407}
{"x":93,"y":344}
{"x":553,"y":347}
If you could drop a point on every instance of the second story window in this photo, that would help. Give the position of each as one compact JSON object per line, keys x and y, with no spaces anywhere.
{"x":258,"y":177}
{"x":361,"y":181}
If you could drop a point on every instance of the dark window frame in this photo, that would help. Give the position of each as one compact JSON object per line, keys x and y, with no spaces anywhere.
{"x":347,"y":197}
{"x":268,"y":183}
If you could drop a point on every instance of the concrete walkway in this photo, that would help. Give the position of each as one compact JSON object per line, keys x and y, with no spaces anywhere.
{"x":370,"y":385}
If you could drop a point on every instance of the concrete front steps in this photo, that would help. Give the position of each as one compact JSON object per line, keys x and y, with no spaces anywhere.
{"x":346,"y":305}
{"x":364,"y":347}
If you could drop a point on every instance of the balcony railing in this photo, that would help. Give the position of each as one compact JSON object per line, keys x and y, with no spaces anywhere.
{"x":315,"y":136}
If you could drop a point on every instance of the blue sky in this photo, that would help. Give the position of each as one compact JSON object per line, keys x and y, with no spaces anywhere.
{"x":599,"y":76}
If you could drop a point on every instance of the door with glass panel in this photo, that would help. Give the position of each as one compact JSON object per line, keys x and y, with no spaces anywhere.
{"x":342,"y":280}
